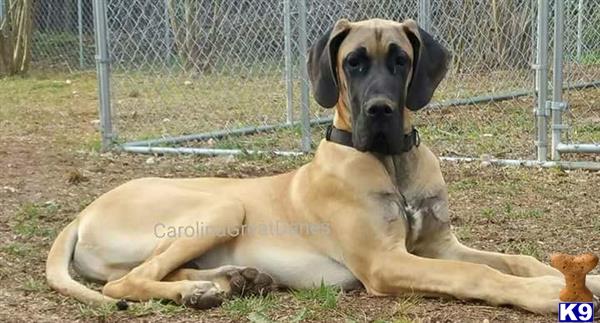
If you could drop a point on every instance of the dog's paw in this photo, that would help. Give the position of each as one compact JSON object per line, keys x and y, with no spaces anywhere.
{"x":540,"y":294}
{"x":203,"y":295}
{"x":249,"y":281}
{"x":593,"y":283}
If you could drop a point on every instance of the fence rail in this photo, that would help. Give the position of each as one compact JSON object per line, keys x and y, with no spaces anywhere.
{"x":214,"y":77}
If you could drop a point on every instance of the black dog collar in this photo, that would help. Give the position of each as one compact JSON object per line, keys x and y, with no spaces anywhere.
{"x":344,"y":137}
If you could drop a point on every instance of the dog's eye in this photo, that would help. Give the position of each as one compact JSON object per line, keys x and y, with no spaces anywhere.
{"x":354,"y":61}
{"x":400,"y":60}
{"x":357,"y":61}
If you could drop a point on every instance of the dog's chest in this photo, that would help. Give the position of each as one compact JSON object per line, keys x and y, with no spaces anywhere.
{"x":426,"y":218}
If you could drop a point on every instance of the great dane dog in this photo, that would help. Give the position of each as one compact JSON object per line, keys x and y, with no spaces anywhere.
{"x":371,"y":208}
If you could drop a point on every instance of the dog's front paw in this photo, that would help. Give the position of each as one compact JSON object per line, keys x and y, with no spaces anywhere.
{"x":541,"y":294}
{"x":593,"y":284}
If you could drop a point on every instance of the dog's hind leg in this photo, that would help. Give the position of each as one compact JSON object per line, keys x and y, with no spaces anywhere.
{"x":144,"y":281}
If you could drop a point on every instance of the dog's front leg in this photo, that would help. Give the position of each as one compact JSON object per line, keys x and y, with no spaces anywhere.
{"x":433,"y":238}
{"x":438,"y":241}
{"x":519,"y":265}
{"x":374,"y":249}
{"x":394,"y":273}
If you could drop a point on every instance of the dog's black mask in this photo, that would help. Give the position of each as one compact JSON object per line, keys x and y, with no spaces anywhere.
{"x":378,"y":85}
{"x":375,"y":99}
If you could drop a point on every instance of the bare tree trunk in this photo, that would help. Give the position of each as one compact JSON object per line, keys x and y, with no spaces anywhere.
{"x":192,"y":39}
{"x":458,"y":63}
{"x":15,"y":37}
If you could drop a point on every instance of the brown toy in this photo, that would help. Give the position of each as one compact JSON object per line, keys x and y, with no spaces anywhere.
{"x":574,"y":268}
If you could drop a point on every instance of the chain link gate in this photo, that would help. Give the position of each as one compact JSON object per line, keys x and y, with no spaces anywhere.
{"x":218,"y":77}
{"x":575,"y":104}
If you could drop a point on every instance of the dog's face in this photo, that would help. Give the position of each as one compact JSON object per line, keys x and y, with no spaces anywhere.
{"x":372,"y":71}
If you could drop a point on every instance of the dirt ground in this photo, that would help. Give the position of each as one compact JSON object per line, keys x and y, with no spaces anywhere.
{"x":50,"y":168}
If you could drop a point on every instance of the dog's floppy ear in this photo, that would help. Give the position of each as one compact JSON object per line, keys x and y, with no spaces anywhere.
{"x":322,"y":67}
{"x":430,"y":64}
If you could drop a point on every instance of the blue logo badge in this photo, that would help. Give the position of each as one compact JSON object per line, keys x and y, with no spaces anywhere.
{"x":575,"y":312}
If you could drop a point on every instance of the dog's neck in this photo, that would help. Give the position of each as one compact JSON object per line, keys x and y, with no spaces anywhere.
{"x":400,"y":167}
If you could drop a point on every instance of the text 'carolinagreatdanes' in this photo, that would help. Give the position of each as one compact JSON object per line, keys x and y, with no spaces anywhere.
{"x":277,"y":228}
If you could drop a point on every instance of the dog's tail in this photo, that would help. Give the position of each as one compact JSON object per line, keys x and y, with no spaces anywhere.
{"x":57,"y":269}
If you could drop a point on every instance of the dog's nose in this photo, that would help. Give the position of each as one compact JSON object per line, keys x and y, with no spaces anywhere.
{"x":379,"y":109}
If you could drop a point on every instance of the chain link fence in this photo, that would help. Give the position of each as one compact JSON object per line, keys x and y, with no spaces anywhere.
{"x":188,"y":67}
{"x":214,"y":77}
{"x":63,"y":35}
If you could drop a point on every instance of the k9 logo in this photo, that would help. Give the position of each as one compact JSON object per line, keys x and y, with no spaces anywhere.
{"x":575,"y":312}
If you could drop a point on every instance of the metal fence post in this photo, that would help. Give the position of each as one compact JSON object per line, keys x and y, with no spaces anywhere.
{"x":424,"y":15}
{"x":80,"y":30}
{"x":579,"y":30}
{"x":304,"y":93}
{"x":557,"y":106}
{"x":541,"y":67}
{"x":103,"y":72}
{"x":289,"y":81}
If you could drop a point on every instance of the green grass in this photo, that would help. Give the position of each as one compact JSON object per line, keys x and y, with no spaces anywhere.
{"x":29,"y":222}
{"x":400,"y":314}
{"x":152,"y":307}
{"x":510,"y":212}
{"x":92,"y":143}
{"x":156,"y":307}
{"x":465,"y":184}
{"x":403,"y":307}
{"x":488,"y":213}
{"x":250,"y":307}
{"x":33,"y":285}
{"x":100,"y":312}
{"x":463,"y":232}
{"x":590,"y":58}
{"x":526,"y":248}
{"x":53,"y":100}
{"x":587,"y":132}
{"x":324,"y":296}
{"x":18,"y":249}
